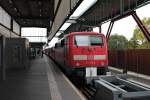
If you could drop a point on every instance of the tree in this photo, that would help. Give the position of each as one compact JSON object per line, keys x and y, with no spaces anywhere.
{"x":117,"y":42}
{"x":138,"y":40}
{"x":132,"y":44}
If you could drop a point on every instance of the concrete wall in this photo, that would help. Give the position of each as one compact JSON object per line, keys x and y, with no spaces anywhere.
{"x":56,"y":4}
{"x":73,"y":3}
{"x":5,"y":25}
{"x":5,"y":19}
{"x":16,"y":27}
{"x":7,"y":33}
{"x":62,"y":13}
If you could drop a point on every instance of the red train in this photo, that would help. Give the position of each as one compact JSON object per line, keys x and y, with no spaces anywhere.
{"x":81,"y":54}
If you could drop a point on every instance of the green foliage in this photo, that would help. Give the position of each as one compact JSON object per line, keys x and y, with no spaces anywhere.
{"x":117,"y":42}
{"x":132,"y":44}
{"x":138,"y":40}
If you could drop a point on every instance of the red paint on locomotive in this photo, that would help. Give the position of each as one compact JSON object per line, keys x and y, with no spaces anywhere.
{"x":78,"y":51}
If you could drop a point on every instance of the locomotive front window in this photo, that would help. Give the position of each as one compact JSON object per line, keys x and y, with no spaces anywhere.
{"x":88,"y":40}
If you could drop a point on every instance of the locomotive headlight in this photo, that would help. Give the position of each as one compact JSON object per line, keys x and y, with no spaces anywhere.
{"x":80,"y":57}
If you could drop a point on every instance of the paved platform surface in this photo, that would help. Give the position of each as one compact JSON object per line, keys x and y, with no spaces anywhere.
{"x":41,"y":81}
{"x":61,"y":88}
{"x":29,"y":84}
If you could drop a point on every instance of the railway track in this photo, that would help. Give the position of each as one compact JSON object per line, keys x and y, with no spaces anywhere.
{"x":88,"y":91}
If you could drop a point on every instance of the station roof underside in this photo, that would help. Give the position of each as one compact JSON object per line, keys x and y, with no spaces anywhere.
{"x":30,"y":13}
{"x":40,"y":13}
{"x":105,"y":10}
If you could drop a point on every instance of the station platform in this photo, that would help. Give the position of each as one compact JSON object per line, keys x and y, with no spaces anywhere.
{"x":41,"y":81}
{"x":145,"y":79}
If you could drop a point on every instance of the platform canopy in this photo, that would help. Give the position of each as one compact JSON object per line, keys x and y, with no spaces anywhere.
{"x":30,"y":13}
{"x":104,"y":10}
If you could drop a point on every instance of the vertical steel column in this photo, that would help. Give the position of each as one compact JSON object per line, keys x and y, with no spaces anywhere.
{"x":141,"y":25}
{"x":2,"y":64}
{"x":11,"y":27}
{"x":109,"y":30}
{"x":100,"y":28}
{"x":70,"y":5}
{"x":121,"y":7}
{"x":20,"y":31}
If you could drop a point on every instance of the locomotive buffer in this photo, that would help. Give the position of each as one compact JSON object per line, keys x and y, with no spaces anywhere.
{"x":118,"y":87}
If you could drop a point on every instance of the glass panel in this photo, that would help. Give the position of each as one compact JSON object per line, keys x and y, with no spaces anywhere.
{"x":37,"y":39}
{"x":96,"y":40}
{"x":88,"y":40}
{"x":16,"y":27}
{"x":34,"y":32}
{"x":82,"y":40}
{"x":4,"y":18}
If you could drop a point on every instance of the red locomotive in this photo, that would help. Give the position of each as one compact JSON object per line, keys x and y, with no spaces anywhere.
{"x":81,"y":54}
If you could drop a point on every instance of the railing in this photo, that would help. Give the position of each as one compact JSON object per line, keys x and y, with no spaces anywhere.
{"x":136,"y":60}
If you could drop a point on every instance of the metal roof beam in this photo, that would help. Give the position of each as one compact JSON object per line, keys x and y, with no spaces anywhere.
{"x":32,"y":18}
{"x":16,"y":8}
{"x":28,"y":7}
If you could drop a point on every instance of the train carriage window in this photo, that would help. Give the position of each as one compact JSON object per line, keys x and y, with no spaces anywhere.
{"x":66,"y":40}
{"x":56,"y":45}
{"x":88,"y":40}
{"x":62,"y":43}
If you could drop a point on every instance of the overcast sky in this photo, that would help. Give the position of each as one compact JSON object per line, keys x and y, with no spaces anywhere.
{"x":127,"y":25}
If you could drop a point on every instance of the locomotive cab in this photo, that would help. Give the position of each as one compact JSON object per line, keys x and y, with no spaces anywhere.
{"x":89,"y":54}
{"x":82,"y":54}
